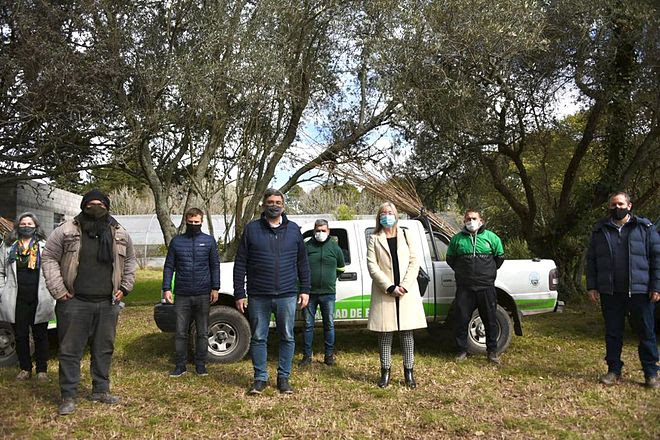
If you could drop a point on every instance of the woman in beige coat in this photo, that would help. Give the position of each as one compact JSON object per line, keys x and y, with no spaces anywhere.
{"x":396,"y":305}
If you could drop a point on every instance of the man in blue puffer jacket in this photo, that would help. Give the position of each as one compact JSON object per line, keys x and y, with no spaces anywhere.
{"x":273,"y":257}
{"x":194,"y":258}
{"x":623,"y":271}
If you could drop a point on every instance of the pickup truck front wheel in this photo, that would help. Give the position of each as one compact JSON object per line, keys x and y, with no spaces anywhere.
{"x":8,"y":355}
{"x":477,"y":332}
{"x":228,"y":336}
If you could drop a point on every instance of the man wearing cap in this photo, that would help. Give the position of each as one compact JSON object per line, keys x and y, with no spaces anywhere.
{"x":89,"y":266}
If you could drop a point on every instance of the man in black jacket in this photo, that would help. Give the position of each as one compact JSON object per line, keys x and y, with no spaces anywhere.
{"x":623,"y":273}
{"x":193,"y":256}
{"x":272,"y":256}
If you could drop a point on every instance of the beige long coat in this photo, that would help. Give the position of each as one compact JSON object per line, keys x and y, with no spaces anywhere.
{"x":382,"y":312}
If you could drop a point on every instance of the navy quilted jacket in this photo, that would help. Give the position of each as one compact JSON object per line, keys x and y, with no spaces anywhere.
{"x":644,"y":258}
{"x":273,"y":259}
{"x":196,"y":263}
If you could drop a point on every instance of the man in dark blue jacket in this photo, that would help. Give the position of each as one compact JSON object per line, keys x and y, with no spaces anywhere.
{"x":623,"y":271}
{"x":272,"y":255}
{"x":193,"y":256}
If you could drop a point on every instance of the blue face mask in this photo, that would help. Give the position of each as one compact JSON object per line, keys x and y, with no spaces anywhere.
{"x":387,"y":220}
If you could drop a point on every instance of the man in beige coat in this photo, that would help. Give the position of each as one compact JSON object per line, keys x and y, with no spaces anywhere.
{"x":396,"y":305}
{"x":89,"y":266}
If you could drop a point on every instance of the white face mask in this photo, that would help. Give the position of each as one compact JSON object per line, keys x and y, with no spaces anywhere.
{"x":473,"y":225}
{"x":320,"y":236}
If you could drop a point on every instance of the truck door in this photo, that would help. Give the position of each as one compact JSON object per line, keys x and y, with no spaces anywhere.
{"x":445,"y":284}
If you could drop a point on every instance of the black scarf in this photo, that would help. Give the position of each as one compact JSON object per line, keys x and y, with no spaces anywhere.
{"x":99,"y":228}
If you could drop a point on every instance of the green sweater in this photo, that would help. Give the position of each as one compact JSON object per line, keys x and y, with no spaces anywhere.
{"x":326,"y":263}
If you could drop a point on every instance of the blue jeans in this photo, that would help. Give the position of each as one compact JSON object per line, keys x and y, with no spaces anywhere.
{"x":327,"y":305}
{"x":187,"y":308}
{"x":615,"y":308}
{"x":259,"y":310}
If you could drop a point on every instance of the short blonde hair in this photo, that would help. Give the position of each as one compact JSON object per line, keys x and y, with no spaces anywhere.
{"x":379,"y":227}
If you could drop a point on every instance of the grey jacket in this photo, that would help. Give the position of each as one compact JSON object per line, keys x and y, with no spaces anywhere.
{"x":9,"y":291}
{"x":60,"y":259}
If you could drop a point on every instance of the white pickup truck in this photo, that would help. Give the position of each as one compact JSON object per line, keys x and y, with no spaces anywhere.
{"x":524,"y":287}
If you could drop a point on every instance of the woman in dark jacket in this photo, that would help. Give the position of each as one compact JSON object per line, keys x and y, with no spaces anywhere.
{"x":24,"y":298}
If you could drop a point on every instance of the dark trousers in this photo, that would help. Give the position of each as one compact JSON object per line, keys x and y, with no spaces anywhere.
{"x":189,"y":308}
{"x":25,"y":312}
{"x":466,"y":300}
{"x":79,"y":322}
{"x":615,"y":309}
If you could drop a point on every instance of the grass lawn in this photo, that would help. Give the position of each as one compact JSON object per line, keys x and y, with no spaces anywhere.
{"x":546,"y":388}
{"x":147,"y":289}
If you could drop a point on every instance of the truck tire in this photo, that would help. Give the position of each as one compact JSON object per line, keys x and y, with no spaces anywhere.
{"x":476,"y":339}
{"x":229,"y":335}
{"x":8,"y":355}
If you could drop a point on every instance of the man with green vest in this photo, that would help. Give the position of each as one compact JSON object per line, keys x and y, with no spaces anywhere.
{"x":475,"y":254}
{"x":326,"y":263}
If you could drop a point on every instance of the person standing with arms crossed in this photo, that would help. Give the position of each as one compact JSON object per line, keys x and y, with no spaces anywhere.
{"x":193,"y":256}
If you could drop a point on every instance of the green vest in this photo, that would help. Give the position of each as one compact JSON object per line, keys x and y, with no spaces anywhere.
{"x":326,"y":262}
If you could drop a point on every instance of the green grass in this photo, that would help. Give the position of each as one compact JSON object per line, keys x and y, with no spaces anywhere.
{"x":148,"y":287}
{"x":546,"y":388}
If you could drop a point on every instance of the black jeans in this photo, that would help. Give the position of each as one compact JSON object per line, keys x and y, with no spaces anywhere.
{"x":25,"y":312}
{"x":189,"y":308}
{"x":642,"y":318}
{"x":77,"y":323}
{"x":464,"y":304}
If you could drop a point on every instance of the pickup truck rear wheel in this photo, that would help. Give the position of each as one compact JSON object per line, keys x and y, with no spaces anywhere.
{"x":8,"y":355}
{"x":228,"y":335}
{"x":476,"y":340}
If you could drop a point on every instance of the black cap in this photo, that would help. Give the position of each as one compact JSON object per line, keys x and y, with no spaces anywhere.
{"x":95,"y":194}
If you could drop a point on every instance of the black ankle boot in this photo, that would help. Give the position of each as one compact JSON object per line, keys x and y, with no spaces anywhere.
{"x":384,"y":377}
{"x":409,"y":378}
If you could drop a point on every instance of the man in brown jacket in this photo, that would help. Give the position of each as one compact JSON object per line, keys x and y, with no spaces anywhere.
{"x":89,"y":266}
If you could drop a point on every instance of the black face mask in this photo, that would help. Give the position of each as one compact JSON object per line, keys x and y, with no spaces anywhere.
{"x":619,"y":213}
{"x":193,"y":229}
{"x":96,"y":211}
{"x":26,"y":231}
{"x":273,"y":211}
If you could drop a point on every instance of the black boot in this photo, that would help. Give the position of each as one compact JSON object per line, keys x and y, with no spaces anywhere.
{"x":384,"y":377}
{"x":409,"y":378}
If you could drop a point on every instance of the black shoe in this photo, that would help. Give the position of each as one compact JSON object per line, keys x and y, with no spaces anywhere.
{"x":284,"y":386}
{"x":329,"y":360}
{"x":610,"y":378}
{"x":384,"y":377}
{"x":651,"y":382}
{"x":460,"y":357}
{"x":492,"y":357}
{"x":258,"y":386}
{"x":178,"y":371}
{"x":201,"y":370}
{"x":409,"y":378}
{"x":68,"y":406}
{"x":105,"y":397}
{"x":306,"y":361}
